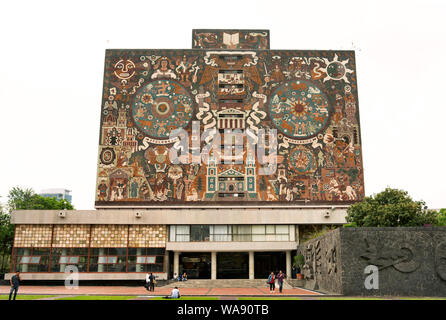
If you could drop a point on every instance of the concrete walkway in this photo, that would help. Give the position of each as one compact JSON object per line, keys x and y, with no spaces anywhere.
{"x":162,"y":291}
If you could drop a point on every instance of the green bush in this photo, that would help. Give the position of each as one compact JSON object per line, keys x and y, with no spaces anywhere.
{"x":391,"y":208}
{"x":299,"y":260}
{"x":442,"y":218}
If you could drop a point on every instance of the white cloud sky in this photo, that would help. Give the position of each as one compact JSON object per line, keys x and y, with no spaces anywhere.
{"x":52,"y":55}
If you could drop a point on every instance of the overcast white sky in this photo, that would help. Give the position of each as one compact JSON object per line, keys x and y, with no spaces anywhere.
{"x":52,"y":59}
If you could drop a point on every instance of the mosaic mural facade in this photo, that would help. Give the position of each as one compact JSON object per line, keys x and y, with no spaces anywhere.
{"x":308,"y":97}
{"x":86,"y":236}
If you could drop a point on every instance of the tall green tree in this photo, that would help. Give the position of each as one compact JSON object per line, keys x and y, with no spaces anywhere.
{"x":391,"y":208}
{"x":27,"y":199}
{"x":6,"y":240}
{"x":22,"y":199}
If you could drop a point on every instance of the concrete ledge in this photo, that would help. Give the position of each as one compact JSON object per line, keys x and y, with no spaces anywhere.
{"x":166,"y":216}
{"x":231,"y":246}
{"x":86,"y":276}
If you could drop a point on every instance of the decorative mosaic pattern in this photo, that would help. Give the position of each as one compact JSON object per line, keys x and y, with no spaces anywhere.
{"x":299,"y":109}
{"x":37,"y":236}
{"x":308,"y":97}
{"x":147,"y":236}
{"x":71,"y":236}
{"x":109,"y":236}
{"x":160,"y":107}
{"x":230,"y":39}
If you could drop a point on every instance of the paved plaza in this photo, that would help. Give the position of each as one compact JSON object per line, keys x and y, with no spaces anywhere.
{"x":162,"y":291}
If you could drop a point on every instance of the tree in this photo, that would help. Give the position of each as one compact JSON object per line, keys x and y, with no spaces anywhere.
{"x":442,"y":218}
{"x":390,"y":208}
{"x":6,"y":239}
{"x":22,"y":199}
{"x":26,"y":199}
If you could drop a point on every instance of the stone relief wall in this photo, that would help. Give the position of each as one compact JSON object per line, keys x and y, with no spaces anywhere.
{"x":322,"y":269}
{"x":409,"y":261}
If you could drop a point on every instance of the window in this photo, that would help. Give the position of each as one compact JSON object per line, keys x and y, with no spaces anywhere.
{"x":63,"y":257}
{"x":108,"y":260}
{"x":199,"y":233}
{"x":220,"y":233}
{"x":180,"y":233}
{"x":31,"y":259}
{"x":145,"y":260}
{"x":68,"y":260}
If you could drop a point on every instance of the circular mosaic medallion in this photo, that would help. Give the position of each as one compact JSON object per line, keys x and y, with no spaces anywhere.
{"x":161,"y":107}
{"x":336,"y":70}
{"x":299,"y":109}
{"x":107,"y":156}
{"x":302,"y":160}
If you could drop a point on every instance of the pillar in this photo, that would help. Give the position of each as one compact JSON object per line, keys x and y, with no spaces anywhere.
{"x":288,"y":263}
{"x":138,"y":265}
{"x":213,"y":265}
{"x":26,"y":252}
{"x":167,"y":264}
{"x":251,"y":265}
{"x":101,"y":265}
{"x":176,"y":263}
{"x":62,"y":266}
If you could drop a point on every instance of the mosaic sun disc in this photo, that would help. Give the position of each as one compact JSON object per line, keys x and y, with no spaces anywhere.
{"x":299,"y":109}
{"x":161,"y":107}
{"x":302,"y":160}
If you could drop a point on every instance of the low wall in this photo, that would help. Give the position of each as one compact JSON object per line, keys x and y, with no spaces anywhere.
{"x":322,"y":269}
{"x":409,"y":261}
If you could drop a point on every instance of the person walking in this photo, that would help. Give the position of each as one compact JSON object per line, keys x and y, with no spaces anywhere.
{"x":147,"y":285}
{"x":152,"y":282}
{"x":271,"y":282}
{"x":15,"y":283}
{"x":280,"y":276}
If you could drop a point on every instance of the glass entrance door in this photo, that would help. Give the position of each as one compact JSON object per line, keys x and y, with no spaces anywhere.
{"x":267,"y":262}
{"x":232,"y":265}
{"x":197,"y":265}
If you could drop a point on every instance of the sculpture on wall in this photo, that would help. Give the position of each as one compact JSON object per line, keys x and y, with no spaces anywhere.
{"x":440,"y":260}
{"x":401,"y":255}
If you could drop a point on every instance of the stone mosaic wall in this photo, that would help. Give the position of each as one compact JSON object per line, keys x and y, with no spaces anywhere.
{"x":147,"y":236}
{"x":102,"y":236}
{"x":309,"y":97}
{"x":71,"y":236}
{"x":37,"y":236}
{"x":109,"y":236}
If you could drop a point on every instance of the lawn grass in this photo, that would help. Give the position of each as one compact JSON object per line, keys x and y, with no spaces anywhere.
{"x":187,"y":298}
{"x":350,"y":298}
{"x":98,"y":298}
{"x":422,"y":298}
{"x":25,"y":297}
{"x":269,"y":298}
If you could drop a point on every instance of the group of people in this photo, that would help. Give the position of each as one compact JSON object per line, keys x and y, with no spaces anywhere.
{"x":182,"y":277}
{"x":150,"y":282}
{"x":272,"y":281}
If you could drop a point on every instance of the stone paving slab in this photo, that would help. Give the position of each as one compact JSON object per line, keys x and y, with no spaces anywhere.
{"x":162,"y":291}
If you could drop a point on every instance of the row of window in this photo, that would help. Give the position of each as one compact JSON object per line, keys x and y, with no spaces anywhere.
{"x":88,"y":259}
{"x":192,"y":233}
